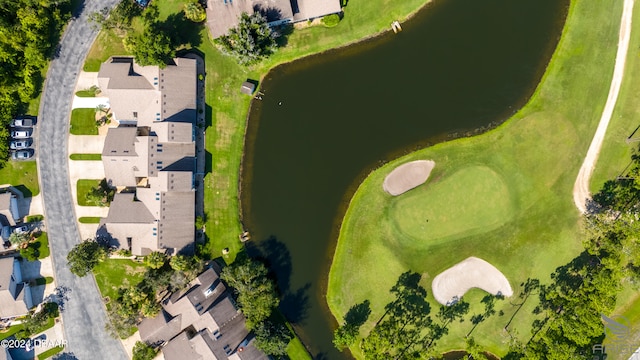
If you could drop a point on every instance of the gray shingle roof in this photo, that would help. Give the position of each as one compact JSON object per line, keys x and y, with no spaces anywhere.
{"x":211,"y":326}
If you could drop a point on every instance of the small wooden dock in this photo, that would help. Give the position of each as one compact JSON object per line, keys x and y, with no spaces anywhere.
{"x":396,"y":26}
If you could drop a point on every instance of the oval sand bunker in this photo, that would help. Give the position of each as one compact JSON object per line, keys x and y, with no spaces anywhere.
{"x":407,"y":176}
{"x":472,"y":272}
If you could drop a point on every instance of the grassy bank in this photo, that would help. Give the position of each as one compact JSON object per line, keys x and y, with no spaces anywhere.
{"x":504,"y":196}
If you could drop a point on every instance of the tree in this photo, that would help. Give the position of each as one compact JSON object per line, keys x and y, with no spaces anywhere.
{"x":182,"y":262}
{"x":30,"y":253}
{"x":85,"y":256}
{"x":19,"y":240}
{"x":272,"y":338}
{"x":345,"y":336}
{"x":143,"y":351}
{"x":256,"y":293}
{"x":119,"y":19}
{"x":155,"y":260}
{"x":101,"y":195}
{"x":153,"y":47}
{"x":194,"y":11}
{"x":251,"y":40}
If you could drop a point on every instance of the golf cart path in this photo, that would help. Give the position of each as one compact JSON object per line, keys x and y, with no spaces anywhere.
{"x":581,"y":188}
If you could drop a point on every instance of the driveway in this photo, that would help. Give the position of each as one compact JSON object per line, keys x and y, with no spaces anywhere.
{"x":89,"y":102}
{"x":84,"y":315}
{"x":86,"y":144}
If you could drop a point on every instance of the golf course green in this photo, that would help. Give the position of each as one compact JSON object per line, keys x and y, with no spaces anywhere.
{"x":504,"y":196}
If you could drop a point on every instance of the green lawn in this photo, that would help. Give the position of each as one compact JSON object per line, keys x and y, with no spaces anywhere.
{"x":84,"y":186}
{"x":615,"y":156}
{"x":83,"y":122}
{"x":49,"y":353}
{"x":21,"y":174}
{"x":42,"y":244}
{"x":504,"y":196}
{"x":11,"y":331}
{"x":86,"y":93}
{"x":107,"y":44}
{"x":89,"y":220}
{"x":112,"y":274}
{"x":92,"y":157}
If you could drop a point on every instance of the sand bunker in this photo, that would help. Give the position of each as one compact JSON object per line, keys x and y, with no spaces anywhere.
{"x":472,"y":272}
{"x":407,"y":176}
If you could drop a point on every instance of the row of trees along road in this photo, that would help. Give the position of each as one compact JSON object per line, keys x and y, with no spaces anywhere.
{"x":571,"y":308}
{"x":29,"y":33}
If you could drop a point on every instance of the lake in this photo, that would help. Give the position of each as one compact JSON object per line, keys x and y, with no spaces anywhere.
{"x":325,"y":122}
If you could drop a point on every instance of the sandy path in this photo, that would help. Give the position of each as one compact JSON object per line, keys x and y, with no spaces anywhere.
{"x":581,"y":187}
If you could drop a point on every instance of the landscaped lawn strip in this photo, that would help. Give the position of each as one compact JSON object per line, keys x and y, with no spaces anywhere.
{"x":80,"y":157}
{"x":89,"y":220}
{"x":49,"y":353}
{"x":43,"y":248}
{"x":83,"y":122}
{"x":21,"y":174}
{"x":86,"y":93}
{"x":84,"y":186}
{"x":614,"y":158}
{"x":536,"y":154}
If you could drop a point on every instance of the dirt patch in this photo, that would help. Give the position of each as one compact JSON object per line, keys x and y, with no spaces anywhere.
{"x":407,"y":176}
{"x":472,"y":272}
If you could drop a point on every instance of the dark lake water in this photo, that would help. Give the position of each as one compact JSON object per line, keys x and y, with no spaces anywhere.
{"x":327,"y":121}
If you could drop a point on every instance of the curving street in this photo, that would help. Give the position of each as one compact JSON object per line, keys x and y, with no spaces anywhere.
{"x":83,"y":315}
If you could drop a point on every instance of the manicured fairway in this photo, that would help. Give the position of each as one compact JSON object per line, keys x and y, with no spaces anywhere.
{"x":504,"y":196}
{"x":466,"y":202}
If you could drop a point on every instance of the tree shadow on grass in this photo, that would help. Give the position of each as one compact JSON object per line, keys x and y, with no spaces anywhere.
{"x":183,"y":32}
{"x":358,"y":314}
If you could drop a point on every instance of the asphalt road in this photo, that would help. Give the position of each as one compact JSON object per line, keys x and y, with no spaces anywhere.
{"x":84,"y":314}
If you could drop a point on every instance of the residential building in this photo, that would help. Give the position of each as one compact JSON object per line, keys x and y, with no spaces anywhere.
{"x":9,"y":212}
{"x":15,"y":295}
{"x":201,"y":322}
{"x":222,"y":15}
{"x":150,"y":157}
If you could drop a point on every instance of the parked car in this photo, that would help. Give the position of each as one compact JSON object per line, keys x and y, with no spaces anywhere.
{"x":20,"y":229}
{"x":22,"y":154}
{"x":20,"y":144}
{"x":21,"y":134}
{"x":22,"y":122}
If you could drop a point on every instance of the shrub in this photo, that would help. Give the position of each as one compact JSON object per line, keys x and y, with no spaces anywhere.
{"x":331,"y":20}
{"x":30,"y":253}
{"x":143,"y":351}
